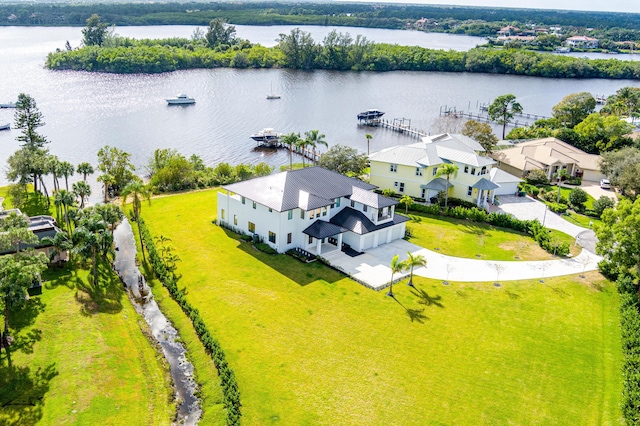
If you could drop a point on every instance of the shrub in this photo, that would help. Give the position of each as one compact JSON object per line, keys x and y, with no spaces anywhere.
{"x":574,"y":181}
{"x":558,"y":207}
{"x":266,"y":248}
{"x":577,"y":198}
{"x":601,"y":204}
{"x":537,"y":177}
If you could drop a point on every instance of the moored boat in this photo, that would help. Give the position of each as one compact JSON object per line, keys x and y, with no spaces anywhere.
{"x":267,"y":135}
{"x":370,"y":114}
{"x":8,"y":105}
{"x":181,"y":99}
{"x":5,"y":126}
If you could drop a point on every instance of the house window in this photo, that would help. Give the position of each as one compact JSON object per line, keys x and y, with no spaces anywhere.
{"x":254,"y":204}
{"x":222,"y":213}
{"x":418,"y":171}
{"x":393,"y":168}
{"x":401,"y":189}
{"x":289,"y":238}
{"x":469,"y":191}
{"x":324,"y":211}
{"x":290,"y":215}
{"x":364,"y":208}
{"x":466,"y":169}
{"x":243,"y":200}
{"x":395,"y":184}
{"x":353,"y":203}
{"x":312,"y":214}
{"x":301,"y":214}
{"x":252,"y":227}
{"x":483,"y":170}
{"x":435,"y":171}
{"x":423,"y":193}
{"x":473,"y":171}
{"x":235,"y":220}
{"x":310,"y":239}
{"x":337,"y":201}
{"x":270,"y":209}
{"x":317,"y":212}
{"x":272,"y":237}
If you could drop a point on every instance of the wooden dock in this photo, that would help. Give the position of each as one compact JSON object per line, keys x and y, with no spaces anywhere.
{"x":303,"y":152}
{"x":401,"y":125}
{"x":481,"y":116}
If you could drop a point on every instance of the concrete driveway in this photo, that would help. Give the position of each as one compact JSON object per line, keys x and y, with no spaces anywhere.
{"x":593,"y":189}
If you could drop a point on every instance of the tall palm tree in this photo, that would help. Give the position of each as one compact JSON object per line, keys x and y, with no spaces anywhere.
{"x":292,"y":139}
{"x":396,"y":266}
{"x":61,"y":243}
{"x":53,"y":167}
{"x":106,"y":180}
{"x":138,"y":191}
{"x":111,"y":214}
{"x":85,"y":169}
{"x":314,"y":139}
{"x":64,"y":199}
{"x":92,"y":238}
{"x":412,"y":262}
{"x":369,"y":137}
{"x":66,"y":169}
{"x":81,"y":190}
{"x":302,"y":145}
{"x":447,"y":170}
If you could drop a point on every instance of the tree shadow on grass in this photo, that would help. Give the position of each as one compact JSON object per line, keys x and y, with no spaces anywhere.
{"x":415,"y":315}
{"x":22,"y":391}
{"x":25,"y":315}
{"x":425,"y":299}
{"x":474,"y":229}
{"x":55,"y":276}
{"x":105,"y":296}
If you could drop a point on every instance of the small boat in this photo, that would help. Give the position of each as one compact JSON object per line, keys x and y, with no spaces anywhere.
{"x":370,"y":114}
{"x":181,"y":99}
{"x":272,"y":95}
{"x":8,"y":105}
{"x":266,"y":135}
{"x":5,"y":126}
{"x":601,"y":100}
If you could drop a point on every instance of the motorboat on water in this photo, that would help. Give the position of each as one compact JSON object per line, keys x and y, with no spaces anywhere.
{"x":370,"y":114}
{"x":5,"y":126}
{"x":8,"y":105}
{"x":181,"y":99}
{"x":267,"y":135}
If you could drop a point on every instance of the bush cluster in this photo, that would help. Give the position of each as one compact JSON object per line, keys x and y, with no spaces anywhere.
{"x":531,"y":227}
{"x":230,"y":392}
{"x":630,"y":330}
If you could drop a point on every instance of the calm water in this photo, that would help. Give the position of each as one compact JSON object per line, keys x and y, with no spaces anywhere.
{"x":85,"y":111}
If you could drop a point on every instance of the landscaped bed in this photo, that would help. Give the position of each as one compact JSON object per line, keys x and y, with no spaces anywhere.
{"x":310,"y":346}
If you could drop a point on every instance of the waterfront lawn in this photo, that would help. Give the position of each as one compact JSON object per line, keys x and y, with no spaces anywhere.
{"x":463,"y":238}
{"x":310,"y":346}
{"x":80,"y":357}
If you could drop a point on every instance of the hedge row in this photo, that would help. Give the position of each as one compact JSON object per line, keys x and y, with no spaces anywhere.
{"x":531,"y":227}
{"x":230,"y":392}
{"x":630,"y":330}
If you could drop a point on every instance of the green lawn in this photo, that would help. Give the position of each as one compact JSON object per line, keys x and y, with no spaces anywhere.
{"x":80,"y":357}
{"x":310,"y":346}
{"x":463,"y":238}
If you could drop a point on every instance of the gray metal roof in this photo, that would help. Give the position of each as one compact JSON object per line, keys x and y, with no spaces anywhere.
{"x":485,"y":184}
{"x":356,"y":222}
{"x":500,"y":176}
{"x":438,"y":184}
{"x":307,"y":188}
{"x":371,"y":199}
{"x":322,"y":229}
{"x":407,"y":155}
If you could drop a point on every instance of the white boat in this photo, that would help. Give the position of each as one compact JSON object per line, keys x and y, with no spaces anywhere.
{"x":266,"y":135}
{"x":5,"y":126}
{"x":272,"y":95}
{"x":181,"y":99}
{"x":8,"y":105}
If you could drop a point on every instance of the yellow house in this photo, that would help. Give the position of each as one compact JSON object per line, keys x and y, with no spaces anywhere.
{"x":413,"y":170}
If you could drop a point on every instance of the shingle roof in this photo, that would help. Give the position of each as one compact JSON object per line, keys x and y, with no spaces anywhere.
{"x":355,"y":221}
{"x":371,"y":199}
{"x":307,"y":188}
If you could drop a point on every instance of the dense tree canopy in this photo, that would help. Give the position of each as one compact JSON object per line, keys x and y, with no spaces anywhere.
{"x":574,"y":108}
{"x":622,"y":167}
{"x":502,"y":110}
{"x":345,"y":160}
{"x":481,"y":132}
{"x":96,"y":31}
{"x":619,"y":236}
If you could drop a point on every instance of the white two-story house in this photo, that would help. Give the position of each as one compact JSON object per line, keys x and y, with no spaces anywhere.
{"x":413,"y":170}
{"x":314,"y":209}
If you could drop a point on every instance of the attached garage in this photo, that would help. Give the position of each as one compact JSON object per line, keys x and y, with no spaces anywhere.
{"x":508,"y":182}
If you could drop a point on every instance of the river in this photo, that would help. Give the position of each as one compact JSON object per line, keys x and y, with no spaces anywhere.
{"x":86,"y":111}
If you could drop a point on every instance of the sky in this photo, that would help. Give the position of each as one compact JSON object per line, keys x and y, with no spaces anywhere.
{"x":632,"y":6}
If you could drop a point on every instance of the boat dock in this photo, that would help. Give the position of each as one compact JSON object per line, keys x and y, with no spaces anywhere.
{"x":401,"y":125}
{"x":482,"y":116}
{"x":277,"y":144}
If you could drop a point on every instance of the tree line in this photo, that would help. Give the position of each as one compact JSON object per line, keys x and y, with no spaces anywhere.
{"x":298,"y":50}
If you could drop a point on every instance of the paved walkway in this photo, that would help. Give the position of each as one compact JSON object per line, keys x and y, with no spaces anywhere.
{"x":372,"y":267}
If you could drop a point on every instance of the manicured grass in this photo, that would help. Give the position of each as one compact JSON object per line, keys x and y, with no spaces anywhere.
{"x":565,"y":191}
{"x":80,"y":357}
{"x":581,"y":220}
{"x":463,"y":238}
{"x":310,"y":346}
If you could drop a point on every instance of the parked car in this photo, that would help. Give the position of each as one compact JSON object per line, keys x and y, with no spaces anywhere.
{"x":605,"y":184}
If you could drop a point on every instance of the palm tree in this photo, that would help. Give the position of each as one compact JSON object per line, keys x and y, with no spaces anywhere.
{"x":85,"y":169}
{"x":111,"y":214}
{"x":138,"y":191}
{"x":66,"y":169}
{"x":407,"y":201}
{"x":292,"y":139}
{"x":65,"y":200}
{"x":396,"y":267}
{"x":81,"y":190}
{"x":92,"y":238}
{"x":53,"y":167}
{"x":369,"y":137}
{"x":412,"y":262}
{"x":447,"y":170}
{"x":302,"y":145}
{"x":315,"y":138}
{"x":107,"y":180}
{"x":60,"y":242}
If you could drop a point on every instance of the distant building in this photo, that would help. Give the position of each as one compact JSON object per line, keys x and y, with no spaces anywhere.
{"x":509,"y":30}
{"x":583,"y":42}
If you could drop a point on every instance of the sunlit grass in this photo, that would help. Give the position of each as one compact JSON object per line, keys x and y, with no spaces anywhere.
{"x":310,"y":346}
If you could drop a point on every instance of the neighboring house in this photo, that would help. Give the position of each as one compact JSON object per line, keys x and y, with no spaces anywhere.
{"x":313,"y":209}
{"x":42,"y":226}
{"x":412,"y":169}
{"x":583,"y":42}
{"x":509,"y":30}
{"x":549,"y":155}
